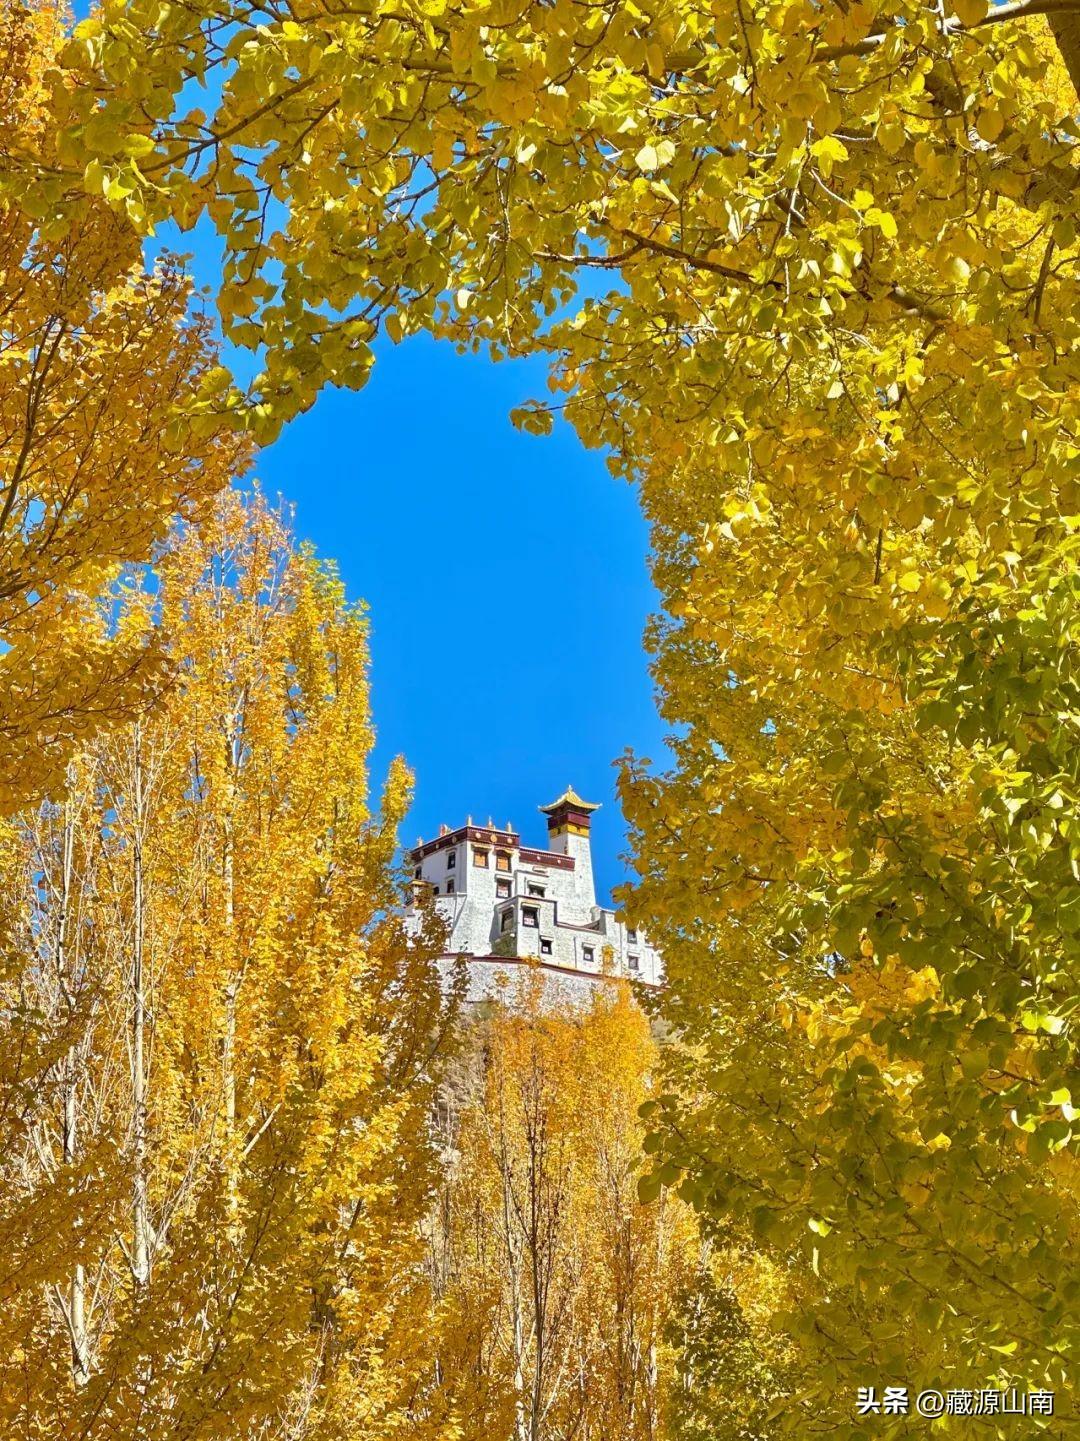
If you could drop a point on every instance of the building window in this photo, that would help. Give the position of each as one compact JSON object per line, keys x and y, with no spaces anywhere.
{"x":417,"y":873}
{"x":634,"y":963}
{"x":505,"y":920}
{"x":502,"y":889}
{"x":530,"y":916}
{"x":449,"y":885}
{"x":480,"y":858}
{"x":545,"y":946}
{"x":587,"y":953}
{"x":631,"y":936}
{"x":502,"y":860}
{"x":535,"y":890}
{"x":435,"y":889}
{"x":451,"y":860}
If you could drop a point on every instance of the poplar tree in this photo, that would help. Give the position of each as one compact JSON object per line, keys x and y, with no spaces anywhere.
{"x":216,"y":1174}
{"x":559,"y":1290}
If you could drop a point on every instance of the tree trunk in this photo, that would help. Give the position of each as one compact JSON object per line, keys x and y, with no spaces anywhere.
{"x":141,"y":1231}
{"x":1066,"y":30}
{"x":232,"y":983}
{"x":76,"y":1300}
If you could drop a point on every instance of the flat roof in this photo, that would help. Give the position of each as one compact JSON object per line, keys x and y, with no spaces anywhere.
{"x":492,"y":836}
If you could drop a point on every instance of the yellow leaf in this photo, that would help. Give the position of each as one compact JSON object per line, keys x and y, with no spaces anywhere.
{"x":989,"y":123}
{"x":655,"y":155}
{"x":885,"y":222}
{"x":829,"y":151}
{"x":971,"y":12}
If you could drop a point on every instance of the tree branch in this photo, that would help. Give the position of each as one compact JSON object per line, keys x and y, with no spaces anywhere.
{"x":1068,"y":39}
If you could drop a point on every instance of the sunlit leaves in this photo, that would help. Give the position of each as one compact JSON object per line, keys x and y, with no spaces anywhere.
{"x":100,"y":440}
{"x":549,"y":1264}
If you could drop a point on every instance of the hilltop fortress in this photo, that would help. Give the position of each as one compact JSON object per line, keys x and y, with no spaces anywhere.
{"x":506,"y":904}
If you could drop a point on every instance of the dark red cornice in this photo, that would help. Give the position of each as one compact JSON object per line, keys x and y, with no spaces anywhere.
{"x":555,"y":859}
{"x":480,"y":835}
{"x":567,"y":814}
{"x":499,"y":840}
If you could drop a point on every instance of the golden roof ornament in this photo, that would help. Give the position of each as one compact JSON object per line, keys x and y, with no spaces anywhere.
{"x":572,"y":801}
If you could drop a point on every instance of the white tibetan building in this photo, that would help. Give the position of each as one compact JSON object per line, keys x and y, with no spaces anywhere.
{"x":506,"y":904}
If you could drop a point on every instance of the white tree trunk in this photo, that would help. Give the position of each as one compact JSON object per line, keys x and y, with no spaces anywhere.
{"x":141,"y":1227}
{"x":76,"y":1298}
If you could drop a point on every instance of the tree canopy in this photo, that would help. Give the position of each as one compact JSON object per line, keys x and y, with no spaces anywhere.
{"x":99,"y":355}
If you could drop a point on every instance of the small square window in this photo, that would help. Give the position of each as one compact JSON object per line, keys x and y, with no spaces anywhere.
{"x":502,"y":860}
{"x":449,"y":885}
{"x":502,"y":889}
{"x":587,"y":953}
{"x":505,"y":921}
{"x":634,"y":963}
{"x":545,"y":946}
{"x":534,"y":890}
{"x":480,"y":858}
{"x":530,"y":916}
{"x":451,"y":860}
{"x":631,"y":936}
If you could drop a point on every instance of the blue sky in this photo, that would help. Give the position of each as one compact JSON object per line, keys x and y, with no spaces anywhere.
{"x":505,"y":576}
{"x":507,"y":584}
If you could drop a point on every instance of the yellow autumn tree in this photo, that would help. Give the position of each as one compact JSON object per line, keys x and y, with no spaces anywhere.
{"x":98,"y":358}
{"x":221,"y":1164}
{"x":558,"y":1286}
{"x":839,"y":355}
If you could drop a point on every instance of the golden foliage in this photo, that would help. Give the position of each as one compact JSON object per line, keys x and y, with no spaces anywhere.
{"x":558,"y":1286}
{"x":98,"y":359}
{"x":220,"y":1046}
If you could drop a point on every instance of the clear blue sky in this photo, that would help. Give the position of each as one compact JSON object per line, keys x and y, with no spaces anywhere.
{"x":507,"y":585}
{"x":506,"y":578}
